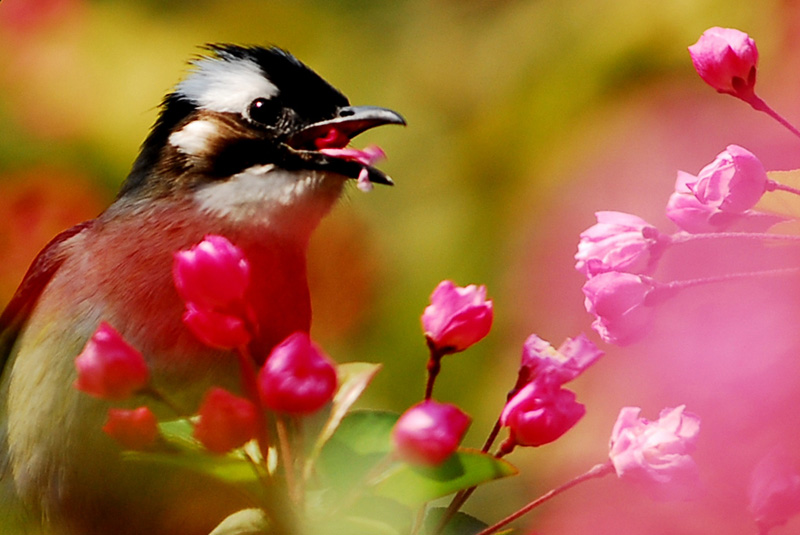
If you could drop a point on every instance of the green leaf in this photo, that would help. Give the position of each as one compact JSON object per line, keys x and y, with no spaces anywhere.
{"x":371,"y":515}
{"x":227,"y":468}
{"x":244,"y":522}
{"x":353,"y":377}
{"x":178,"y":433}
{"x":415,"y":485}
{"x":361,"y":441}
{"x":183,"y":451}
{"x":460,"y":524}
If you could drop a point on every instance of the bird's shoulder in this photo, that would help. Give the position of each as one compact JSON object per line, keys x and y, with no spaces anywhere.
{"x":39,"y":274}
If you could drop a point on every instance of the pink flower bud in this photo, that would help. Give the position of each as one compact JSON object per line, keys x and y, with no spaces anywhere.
{"x":226,"y":421}
{"x":457,"y":317}
{"x":619,"y":301}
{"x":297,"y":378}
{"x":656,"y":455}
{"x":686,"y":211}
{"x":726,"y":60}
{"x":135,"y":429}
{"x":429,"y":433}
{"x":619,"y":242}
{"x":108,"y":367}
{"x":774,"y":490}
{"x":542,"y":362}
{"x":734,"y":182}
{"x":539,"y":414}
{"x":216,"y":329}
{"x":214,"y":274}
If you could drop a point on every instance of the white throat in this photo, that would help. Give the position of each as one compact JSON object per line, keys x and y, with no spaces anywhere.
{"x":288,"y":202}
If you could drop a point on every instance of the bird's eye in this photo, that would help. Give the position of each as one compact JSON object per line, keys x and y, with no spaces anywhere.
{"x":264,"y":111}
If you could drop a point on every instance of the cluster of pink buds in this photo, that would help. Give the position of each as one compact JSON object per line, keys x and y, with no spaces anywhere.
{"x":619,"y":254}
{"x":212,"y":278}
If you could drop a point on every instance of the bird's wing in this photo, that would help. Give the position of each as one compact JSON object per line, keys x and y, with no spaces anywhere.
{"x":36,"y":279}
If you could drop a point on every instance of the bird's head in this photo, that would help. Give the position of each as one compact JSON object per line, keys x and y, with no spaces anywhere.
{"x":250,"y":128}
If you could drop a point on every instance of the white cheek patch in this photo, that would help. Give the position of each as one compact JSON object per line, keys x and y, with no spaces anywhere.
{"x":194,"y":138}
{"x":226,"y":85}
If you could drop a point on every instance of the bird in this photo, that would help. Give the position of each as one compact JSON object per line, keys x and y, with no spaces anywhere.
{"x":237,"y":150}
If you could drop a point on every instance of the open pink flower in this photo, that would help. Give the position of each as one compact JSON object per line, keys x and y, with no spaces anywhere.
{"x":539,"y":414}
{"x":135,"y":429}
{"x":457,"y":317}
{"x":726,"y":60}
{"x":656,"y":454}
{"x":691,"y":215}
{"x":429,"y":432}
{"x":622,"y":306}
{"x":214,"y":274}
{"x":734,"y":182}
{"x":542,"y":362}
{"x":619,"y":242}
{"x":109,"y":367}
{"x":774,"y":490}
{"x":226,"y":421}
{"x":298,"y":377}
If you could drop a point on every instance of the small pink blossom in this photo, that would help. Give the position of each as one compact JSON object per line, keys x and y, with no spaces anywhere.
{"x":542,"y":362}
{"x":734,"y":182}
{"x":774,"y":491}
{"x":726,"y":60}
{"x":212,"y":278}
{"x":225,"y":421}
{"x":622,"y":306}
{"x":363,"y":182}
{"x":457,"y":317}
{"x":539,"y":414}
{"x":298,"y":377}
{"x":216,"y":329}
{"x":429,"y":432}
{"x":619,"y":242}
{"x":109,"y":367}
{"x":369,"y":155}
{"x":686,"y":211}
{"x":656,"y":454}
{"x":214,"y":274}
{"x":135,"y":429}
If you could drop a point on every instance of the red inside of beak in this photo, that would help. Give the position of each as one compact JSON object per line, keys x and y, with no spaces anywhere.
{"x":334,"y":139}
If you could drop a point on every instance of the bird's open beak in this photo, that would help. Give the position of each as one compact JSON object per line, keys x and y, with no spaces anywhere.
{"x":322,"y":143}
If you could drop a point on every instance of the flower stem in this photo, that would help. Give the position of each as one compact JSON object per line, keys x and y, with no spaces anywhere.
{"x":434,"y":366}
{"x":758,"y":104}
{"x":684,"y":237}
{"x":462,"y":496}
{"x":287,"y":458}
{"x":596,"y":471}
{"x":683,"y":284}
{"x":247,"y":369}
{"x":773,"y":185}
{"x":159,"y":396}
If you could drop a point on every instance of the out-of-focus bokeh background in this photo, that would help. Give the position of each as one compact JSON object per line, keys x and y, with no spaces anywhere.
{"x":524,"y":118}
